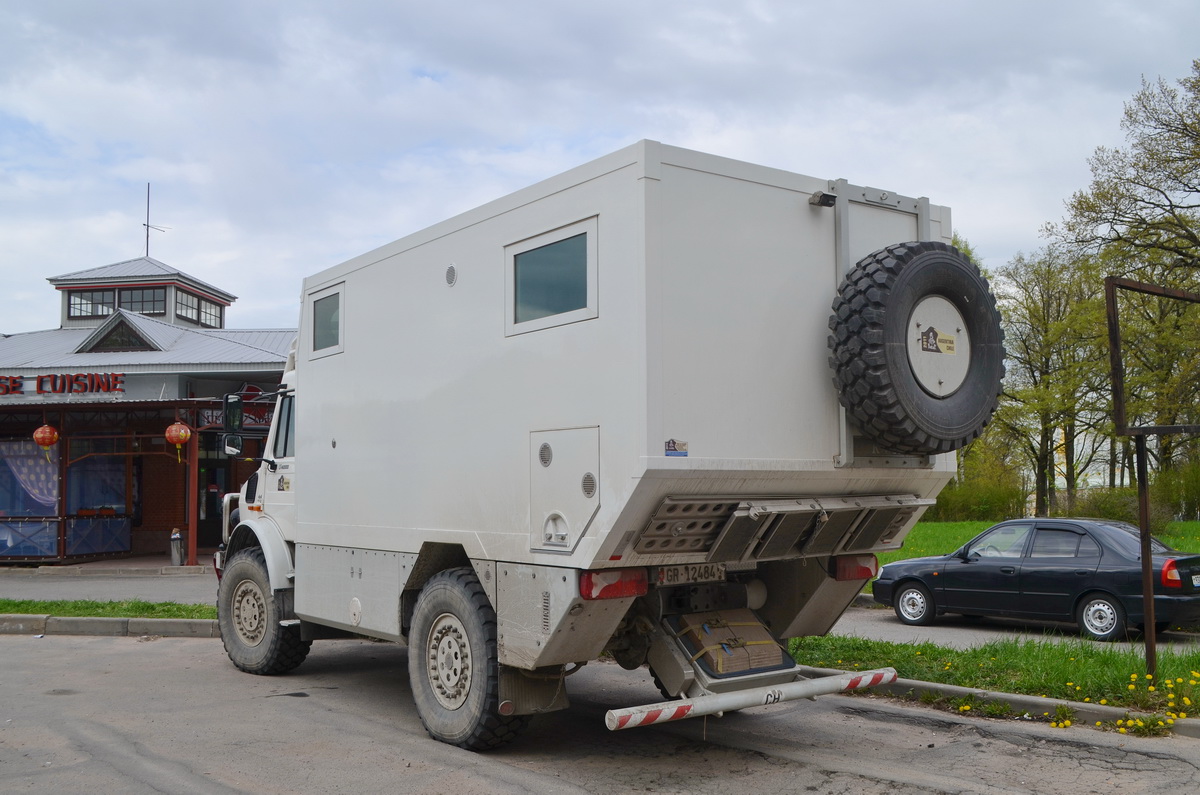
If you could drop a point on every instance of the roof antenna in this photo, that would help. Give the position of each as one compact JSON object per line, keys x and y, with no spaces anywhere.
{"x":147,"y":224}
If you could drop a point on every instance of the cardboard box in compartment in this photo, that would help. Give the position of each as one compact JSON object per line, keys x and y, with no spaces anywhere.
{"x":730,"y":642}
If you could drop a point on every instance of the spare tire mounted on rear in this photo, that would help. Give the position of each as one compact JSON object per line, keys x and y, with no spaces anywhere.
{"x":916,"y":348}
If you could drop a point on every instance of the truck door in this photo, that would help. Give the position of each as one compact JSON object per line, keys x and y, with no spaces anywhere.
{"x":279,"y":496}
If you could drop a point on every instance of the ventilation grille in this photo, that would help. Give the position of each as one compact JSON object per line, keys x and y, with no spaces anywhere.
{"x":588,"y":485}
{"x":545,"y":454}
{"x":451,"y":275}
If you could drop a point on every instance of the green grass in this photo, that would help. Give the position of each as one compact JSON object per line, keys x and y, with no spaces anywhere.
{"x":1072,"y":670}
{"x":83,"y":608}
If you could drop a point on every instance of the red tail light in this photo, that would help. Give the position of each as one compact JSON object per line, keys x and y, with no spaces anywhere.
{"x":1170,"y":575}
{"x":612,"y":584}
{"x":856,"y":567}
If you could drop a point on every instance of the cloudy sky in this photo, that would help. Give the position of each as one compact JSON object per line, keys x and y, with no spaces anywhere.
{"x":283,"y":137}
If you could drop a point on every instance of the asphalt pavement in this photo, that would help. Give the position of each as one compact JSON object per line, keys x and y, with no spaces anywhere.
{"x":155,"y":580}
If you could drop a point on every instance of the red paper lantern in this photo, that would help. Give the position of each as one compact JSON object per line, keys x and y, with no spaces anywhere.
{"x":178,"y":435}
{"x":46,"y":436}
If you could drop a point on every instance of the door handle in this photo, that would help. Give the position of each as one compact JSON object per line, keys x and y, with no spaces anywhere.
{"x":1007,"y":570}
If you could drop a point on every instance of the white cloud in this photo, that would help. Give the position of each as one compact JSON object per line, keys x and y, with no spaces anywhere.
{"x":283,"y":137}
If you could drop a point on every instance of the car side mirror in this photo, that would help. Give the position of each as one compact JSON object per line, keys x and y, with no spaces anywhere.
{"x":232,"y":443}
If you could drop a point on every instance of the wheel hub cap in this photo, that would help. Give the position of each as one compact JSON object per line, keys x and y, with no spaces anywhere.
{"x":449,"y":661}
{"x":939,"y":346}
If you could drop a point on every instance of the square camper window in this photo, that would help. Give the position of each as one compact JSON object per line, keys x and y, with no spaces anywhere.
{"x":551,"y":278}
{"x":326,"y":320}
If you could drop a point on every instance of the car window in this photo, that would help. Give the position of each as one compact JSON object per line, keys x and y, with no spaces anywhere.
{"x":1054,"y":544}
{"x":1129,"y":539}
{"x":1006,"y":541}
{"x":1088,"y":548}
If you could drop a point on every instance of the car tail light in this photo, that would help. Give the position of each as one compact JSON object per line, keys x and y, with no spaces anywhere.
{"x":856,"y":567}
{"x":612,"y":584}
{"x":1170,"y":575}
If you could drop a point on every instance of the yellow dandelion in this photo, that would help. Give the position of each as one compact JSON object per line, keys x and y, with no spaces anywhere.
{"x":1104,"y":701}
{"x":1133,"y":687}
{"x":1122,"y":731}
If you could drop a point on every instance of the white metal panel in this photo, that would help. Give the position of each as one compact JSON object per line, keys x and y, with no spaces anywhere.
{"x":715,"y":283}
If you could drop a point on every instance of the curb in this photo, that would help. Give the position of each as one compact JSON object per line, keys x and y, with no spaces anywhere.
{"x":1086,"y":713}
{"x":14,"y":624}
{"x":124,"y":571}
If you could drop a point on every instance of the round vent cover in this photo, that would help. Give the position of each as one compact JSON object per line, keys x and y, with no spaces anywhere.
{"x":545,"y":454}
{"x":451,"y":275}
{"x":589,"y":485}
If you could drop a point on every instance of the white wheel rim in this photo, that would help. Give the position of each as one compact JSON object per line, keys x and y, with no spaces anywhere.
{"x":249,"y":613}
{"x":939,"y":346}
{"x":912,"y":604}
{"x":449,"y":658}
{"x":1100,"y":618}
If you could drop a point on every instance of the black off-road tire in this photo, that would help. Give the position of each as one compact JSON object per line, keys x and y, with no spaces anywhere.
{"x":248,"y":616}
{"x":453,"y":666}
{"x":873,"y":319}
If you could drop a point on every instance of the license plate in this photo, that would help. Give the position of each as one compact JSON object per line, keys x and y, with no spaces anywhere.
{"x":695,"y":572}
{"x":1196,"y":580}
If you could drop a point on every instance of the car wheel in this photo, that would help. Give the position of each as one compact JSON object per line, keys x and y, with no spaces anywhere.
{"x":1101,"y":617}
{"x":914,"y":605}
{"x":917,"y":348}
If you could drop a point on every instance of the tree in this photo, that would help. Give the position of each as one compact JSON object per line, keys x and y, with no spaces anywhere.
{"x":1146,"y":197}
{"x":1053,"y":403}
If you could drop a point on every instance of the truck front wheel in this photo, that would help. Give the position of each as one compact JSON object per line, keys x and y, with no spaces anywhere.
{"x":452,"y":664}
{"x":248,"y":616}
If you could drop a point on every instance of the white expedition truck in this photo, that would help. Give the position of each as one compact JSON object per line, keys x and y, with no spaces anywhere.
{"x":665,"y":406}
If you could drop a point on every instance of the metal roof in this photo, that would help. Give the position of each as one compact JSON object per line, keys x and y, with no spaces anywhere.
{"x":181,"y":348}
{"x":133,"y":271}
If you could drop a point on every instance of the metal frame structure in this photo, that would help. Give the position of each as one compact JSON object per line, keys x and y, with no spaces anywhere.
{"x":1139,"y":434}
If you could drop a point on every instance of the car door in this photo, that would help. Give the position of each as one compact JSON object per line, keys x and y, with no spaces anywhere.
{"x":1060,"y":565}
{"x":984,"y":579}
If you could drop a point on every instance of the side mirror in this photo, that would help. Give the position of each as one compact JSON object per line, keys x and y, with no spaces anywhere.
{"x":232,"y":443}
{"x":232,"y":417}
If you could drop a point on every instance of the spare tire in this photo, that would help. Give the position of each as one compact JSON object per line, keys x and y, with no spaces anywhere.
{"x":916,"y":348}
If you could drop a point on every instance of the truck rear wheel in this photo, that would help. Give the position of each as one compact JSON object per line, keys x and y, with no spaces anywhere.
{"x":917,"y":348}
{"x":248,"y":617}
{"x":452,"y":664}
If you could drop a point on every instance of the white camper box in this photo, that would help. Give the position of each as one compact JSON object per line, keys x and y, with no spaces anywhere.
{"x":652,"y":390}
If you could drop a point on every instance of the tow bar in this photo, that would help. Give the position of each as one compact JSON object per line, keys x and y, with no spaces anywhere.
{"x":632,"y":717}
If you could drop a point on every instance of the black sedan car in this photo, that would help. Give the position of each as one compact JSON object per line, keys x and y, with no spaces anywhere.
{"x":1087,"y":571}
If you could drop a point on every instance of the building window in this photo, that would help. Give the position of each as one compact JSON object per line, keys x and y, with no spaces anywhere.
{"x":187,"y":306}
{"x":145,"y":301}
{"x":551,"y":278}
{"x":90,"y":303}
{"x":194,"y":309}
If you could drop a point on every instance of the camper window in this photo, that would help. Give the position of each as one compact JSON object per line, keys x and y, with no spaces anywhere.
{"x":552,"y":278}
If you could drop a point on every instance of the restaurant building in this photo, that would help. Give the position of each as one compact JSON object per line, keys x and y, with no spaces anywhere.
{"x":86,"y":466}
